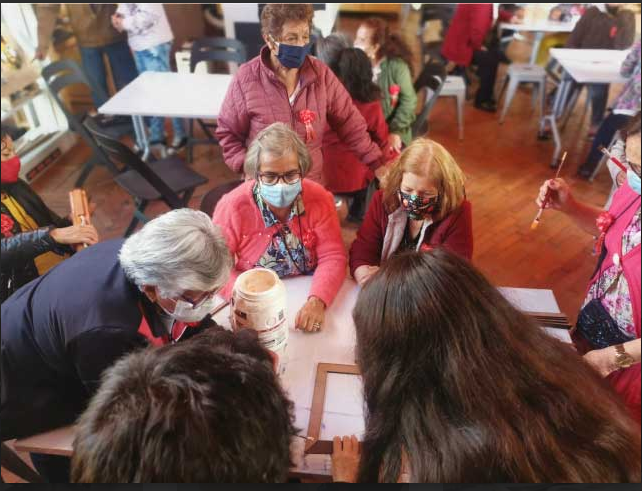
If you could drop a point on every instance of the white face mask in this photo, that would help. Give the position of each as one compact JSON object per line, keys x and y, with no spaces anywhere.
{"x":184,"y":312}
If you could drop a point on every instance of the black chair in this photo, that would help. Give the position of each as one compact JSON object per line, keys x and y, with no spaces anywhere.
{"x":431,"y":80}
{"x":169,"y":180}
{"x":65,"y":73}
{"x":211,"y":49}
{"x":14,"y":464}
{"x":211,"y":199}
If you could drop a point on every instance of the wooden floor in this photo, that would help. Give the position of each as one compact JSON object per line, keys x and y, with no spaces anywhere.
{"x":505,"y":166}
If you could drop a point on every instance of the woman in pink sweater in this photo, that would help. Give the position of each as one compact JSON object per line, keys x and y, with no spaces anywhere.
{"x":285,"y":84}
{"x":608,"y":326}
{"x":284,"y":222}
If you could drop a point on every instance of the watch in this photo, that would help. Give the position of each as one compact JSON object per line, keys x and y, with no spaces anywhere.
{"x":622,"y":358}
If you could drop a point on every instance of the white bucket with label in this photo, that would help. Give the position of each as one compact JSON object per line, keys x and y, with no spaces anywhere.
{"x":259,"y":303}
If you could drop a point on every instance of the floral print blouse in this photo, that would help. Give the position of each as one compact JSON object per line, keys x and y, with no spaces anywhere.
{"x":286,"y":255}
{"x":612,"y":287}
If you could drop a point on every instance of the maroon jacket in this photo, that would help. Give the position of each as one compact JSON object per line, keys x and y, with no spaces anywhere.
{"x":343,"y":171}
{"x":257,"y":98}
{"x":454,"y":232}
{"x":467,"y":30}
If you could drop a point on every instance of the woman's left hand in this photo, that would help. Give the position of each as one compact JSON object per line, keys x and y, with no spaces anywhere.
{"x":311,"y":316}
{"x":395,"y":142}
{"x":602,"y":360}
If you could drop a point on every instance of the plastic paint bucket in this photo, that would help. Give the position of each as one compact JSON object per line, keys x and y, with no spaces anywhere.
{"x":259,"y":303}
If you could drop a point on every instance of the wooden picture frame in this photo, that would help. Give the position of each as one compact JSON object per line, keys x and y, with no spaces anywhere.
{"x":313,"y":444}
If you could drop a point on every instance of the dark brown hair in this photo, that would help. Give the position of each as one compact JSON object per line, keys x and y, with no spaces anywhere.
{"x":355,"y":71}
{"x":209,"y":409}
{"x":469,"y":389}
{"x":275,"y":15}
{"x":391,"y":45}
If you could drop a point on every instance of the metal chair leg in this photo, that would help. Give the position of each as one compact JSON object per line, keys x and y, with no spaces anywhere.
{"x":139,"y":216}
{"x":187,"y":195}
{"x":190,"y":142}
{"x":17,"y":466}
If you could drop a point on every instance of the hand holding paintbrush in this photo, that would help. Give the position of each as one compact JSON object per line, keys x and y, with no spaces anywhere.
{"x":547,"y":189}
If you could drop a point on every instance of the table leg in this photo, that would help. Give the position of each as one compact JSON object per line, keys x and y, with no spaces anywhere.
{"x":558,"y":110}
{"x":141,"y":136}
{"x":537,"y":41}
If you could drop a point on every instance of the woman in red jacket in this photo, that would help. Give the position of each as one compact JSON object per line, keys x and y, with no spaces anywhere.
{"x":344,"y":172}
{"x":284,"y":84}
{"x":422,"y":205}
{"x":464,"y":46}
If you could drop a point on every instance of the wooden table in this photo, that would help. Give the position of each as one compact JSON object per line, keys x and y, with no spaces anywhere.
{"x":168,"y":95}
{"x":334,"y":344}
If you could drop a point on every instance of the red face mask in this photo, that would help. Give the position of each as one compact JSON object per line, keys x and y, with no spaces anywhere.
{"x":10,"y":169}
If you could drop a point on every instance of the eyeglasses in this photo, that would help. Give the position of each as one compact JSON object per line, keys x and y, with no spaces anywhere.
{"x":200,"y":301}
{"x":272,"y":178}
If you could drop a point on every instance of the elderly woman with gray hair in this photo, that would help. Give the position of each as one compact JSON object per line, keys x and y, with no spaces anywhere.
{"x":62,"y":330}
{"x":283,"y":222}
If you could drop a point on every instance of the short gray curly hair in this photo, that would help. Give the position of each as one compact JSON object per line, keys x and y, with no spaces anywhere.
{"x":277,"y":139}
{"x":178,"y":251}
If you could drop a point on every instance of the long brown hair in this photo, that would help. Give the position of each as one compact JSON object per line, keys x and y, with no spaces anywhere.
{"x":469,"y":389}
{"x":391,"y":45}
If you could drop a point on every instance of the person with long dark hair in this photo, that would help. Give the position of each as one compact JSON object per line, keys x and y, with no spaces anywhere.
{"x":391,"y":60}
{"x":460,"y":386}
{"x":344,"y":172}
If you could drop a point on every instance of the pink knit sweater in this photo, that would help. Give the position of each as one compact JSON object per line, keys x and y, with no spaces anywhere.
{"x":240,"y":220}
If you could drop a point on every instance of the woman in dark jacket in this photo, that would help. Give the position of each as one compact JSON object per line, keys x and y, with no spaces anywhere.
{"x":34,"y":238}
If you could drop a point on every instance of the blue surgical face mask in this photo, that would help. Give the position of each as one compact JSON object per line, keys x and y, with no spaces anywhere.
{"x":634,"y":181}
{"x":291,"y":56}
{"x":280,"y":195}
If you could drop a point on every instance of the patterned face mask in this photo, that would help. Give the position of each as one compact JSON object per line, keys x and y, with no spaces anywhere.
{"x":417,"y":207}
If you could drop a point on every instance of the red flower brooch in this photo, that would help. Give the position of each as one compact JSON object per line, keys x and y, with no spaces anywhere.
{"x":308,"y":117}
{"x":6,"y":225}
{"x":394,"y":94}
{"x":603,"y":223}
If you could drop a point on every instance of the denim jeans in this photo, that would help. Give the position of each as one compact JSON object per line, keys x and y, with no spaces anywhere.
{"x":156,"y":59}
{"x":121,"y":62}
{"x":608,"y":128}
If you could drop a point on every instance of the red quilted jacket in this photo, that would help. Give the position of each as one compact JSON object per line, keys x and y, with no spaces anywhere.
{"x":257,"y":98}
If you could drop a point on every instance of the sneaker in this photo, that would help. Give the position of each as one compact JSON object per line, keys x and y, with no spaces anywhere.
{"x":177,"y":145}
{"x":584,"y":172}
{"x":487,"y":106}
{"x":158,"y":148}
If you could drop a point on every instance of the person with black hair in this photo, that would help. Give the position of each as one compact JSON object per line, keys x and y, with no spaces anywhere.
{"x":391,"y":60}
{"x":210,"y":409}
{"x":34,"y":238}
{"x":344,"y":172}
{"x":460,"y":386}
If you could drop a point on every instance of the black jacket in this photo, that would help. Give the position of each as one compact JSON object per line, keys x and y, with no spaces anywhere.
{"x":62,"y":330}
{"x":20,"y":250}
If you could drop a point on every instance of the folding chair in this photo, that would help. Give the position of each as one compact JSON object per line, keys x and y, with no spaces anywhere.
{"x":62,"y":74}
{"x":169,"y":180}
{"x":211,"y":49}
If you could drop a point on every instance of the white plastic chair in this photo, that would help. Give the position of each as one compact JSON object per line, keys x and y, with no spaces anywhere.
{"x":519,"y":73}
{"x":454,"y":86}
